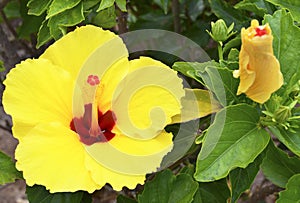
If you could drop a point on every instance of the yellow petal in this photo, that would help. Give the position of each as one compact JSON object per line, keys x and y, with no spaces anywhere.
{"x":72,"y":50}
{"x":196,"y":103}
{"x":246,"y":75}
{"x":150,"y":98}
{"x":268,"y":78}
{"x":129,"y":156}
{"x":110,"y":81}
{"x":259,"y":69}
{"x":51,"y":155}
{"x":101,"y":174}
{"x":37,"y":91}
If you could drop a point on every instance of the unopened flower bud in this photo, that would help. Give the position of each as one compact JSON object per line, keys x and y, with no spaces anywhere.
{"x":282,"y":114}
{"x":219,"y":31}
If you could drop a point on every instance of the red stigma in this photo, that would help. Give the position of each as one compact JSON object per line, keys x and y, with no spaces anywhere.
{"x":82,"y":126}
{"x":260,"y":32}
{"x":93,"y":80}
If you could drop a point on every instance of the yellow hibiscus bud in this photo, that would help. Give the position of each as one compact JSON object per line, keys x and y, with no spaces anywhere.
{"x":259,"y":70}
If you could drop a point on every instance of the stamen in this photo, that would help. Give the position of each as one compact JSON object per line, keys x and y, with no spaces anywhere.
{"x":95,"y":129}
{"x":93,"y":126}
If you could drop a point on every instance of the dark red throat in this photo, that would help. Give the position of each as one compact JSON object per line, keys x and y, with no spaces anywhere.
{"x":260,"y":32}
{"x":82,"y":126}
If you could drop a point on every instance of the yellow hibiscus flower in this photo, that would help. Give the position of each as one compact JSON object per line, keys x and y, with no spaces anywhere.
{"x":81,"y":113}
{"x":259,"y":70}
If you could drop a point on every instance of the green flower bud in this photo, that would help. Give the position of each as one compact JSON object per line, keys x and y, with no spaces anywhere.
{"x":220,"y":32}
{"x":282,"y":114}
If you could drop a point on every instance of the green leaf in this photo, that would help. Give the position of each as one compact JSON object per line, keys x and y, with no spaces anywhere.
{"x":123,"y":199}
{"x":222,"y":83}
{"x":292,"y":192}
{"x":122,"y":5}
{"x":241,"y":179}
{"x":8,"y":171}
{"x":65,"y":19}
{"x":259,"y":7}
{"x":165,"y":4}
{"x":105,"y":4}
{"x":233,"y":140}
{"x":2,"y":68}
{"x":59,"y":6}
{"x":88,"y":4}
{"x":39,"y":194}
{"x":234,"y":43}
{"x":37,"y":7}
{"x":182,"y":143}
{"x":233,"y":55}
{"x":291,"y":5}
{"x":43,"y":35}
{"x":286,"y":42}
{"x":189,"y":68}
{"x":106,"y":18}
{"x":218,"y":80}
{"x":168,"y":188}
{"x":229,"y":14}
{"x":12,"y":9}
{"x":216,"y":192}
{"x":189,"y":169}
{"x":155,"y":19}
{"x":30,"y":23}
{"x":289,"y":139}
{"x":278,"y":167}
{"x":195,"y":8}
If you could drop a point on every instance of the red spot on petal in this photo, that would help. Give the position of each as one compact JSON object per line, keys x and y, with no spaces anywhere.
{"x":82,"y":126}
{"x":93,"y":80}
{"x":260,"y":32}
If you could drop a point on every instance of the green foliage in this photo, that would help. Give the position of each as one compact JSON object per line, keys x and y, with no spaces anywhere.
{"x":106,"y":18}
{"x":233,"y":140}
{"x":239,"y":141}
{"x":291,"y":5}
{"x":286,"y":43}
{"x":37,"y":8}
{"x":259,"y":7}
{"x":11,"y":10}
{"x":217,"y":79}
{"x":167,"y":188}
{"x":2,"y":68}
{"x":58,"y":6}
{"x":165,"y":4}
{"x":106,"y":4}
{"x":30,"y":24}
{"x":290,"y":139}
{"x":278,"y":167}
{"x":241,"y":179}
{"x":217,"y":192}
{"x":225,"y":11}
{"x":195,"y":8}
{"x":292,"y":192}
{"x":8,"y":171}
{"x":38,"y":194}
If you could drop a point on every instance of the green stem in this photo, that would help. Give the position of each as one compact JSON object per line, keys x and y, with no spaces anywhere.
{"x":220,"y":51}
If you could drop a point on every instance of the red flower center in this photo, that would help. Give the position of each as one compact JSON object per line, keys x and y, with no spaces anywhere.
{"x":89,"y":136}
{"x":260,"y":32}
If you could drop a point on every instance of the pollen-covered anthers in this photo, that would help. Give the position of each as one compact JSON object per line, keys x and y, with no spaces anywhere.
{"x":260,"y":31}
{"x":88,"y":133}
